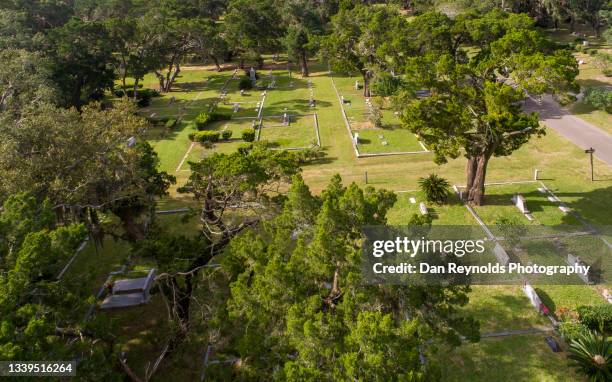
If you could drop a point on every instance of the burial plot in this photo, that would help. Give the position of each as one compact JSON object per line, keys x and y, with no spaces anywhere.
{"x":129,"y":292}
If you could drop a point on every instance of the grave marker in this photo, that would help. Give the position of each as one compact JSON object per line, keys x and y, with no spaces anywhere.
{"x":520,"y":203}
{"x":423,"y":209}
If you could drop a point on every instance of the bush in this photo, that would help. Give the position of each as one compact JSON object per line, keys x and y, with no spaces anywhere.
{"x":572,"y":330}
{"x":143,"y":97}
{"x":205,"y":136}
{"x":386,"y":85}
{"x":202,"y":120}
{"x":216,"y":116}
{"x":592,"y":52}
{"x":593,"y":355}
{"x":245,"y":84}
{"x":248,"y":135}
{"x":599,"y":98}
{"x":170,"y":123}
{"x":596,"y":317}
{"x":226,"y":134}
{"x":118,"y":93}
{"x":435,"y":188}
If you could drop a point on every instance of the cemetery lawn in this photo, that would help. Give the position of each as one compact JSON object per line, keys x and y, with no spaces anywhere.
{"x":379,"y":141}
{"x":502,"y":308}
{"x":513,"y":358}
{"x":564,"y":169}
{"x":301,"y":133}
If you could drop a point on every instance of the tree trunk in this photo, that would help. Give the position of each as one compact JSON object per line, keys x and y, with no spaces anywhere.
{"x":477,"y":171}
{"x":136,"y":81}
{"x":366,"y":83}
{"x":216,"y":61}
{"x":241,"y":63}
{"x":133,"y":230}
{"x":304,"y":64}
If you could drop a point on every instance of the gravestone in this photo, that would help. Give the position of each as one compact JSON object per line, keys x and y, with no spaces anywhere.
{"x":533,"y":296}
{"x":129,"y":292}
{"x":412,"y":200}
{"x":423,"y":209}
{"x":357,"y":86}
{"x":575,"y":260}
{"x":311,"y":103}
{"x":286,"y":119}
{"x":356,"y":138}
{"x":242,"y":92}
{"x":253,"y":75}
{"x":520,"y":203}
{"x":131,"y":142}
{"x":236,"y":107}
{"x":565,"y":208}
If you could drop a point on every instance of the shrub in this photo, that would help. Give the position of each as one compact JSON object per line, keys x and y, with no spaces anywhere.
{"x":248,"y":135}
{"x":597,"y":317}
{"x":118,"y":93}
{"x":435,"y":188}
{"x":170,"y":123}
{"x":245,"y":84}
{"x":572,"y":330}
{"x":226,"y":134}
{"x":593,"y":356}
{"x":216,"y":116}
{"x":386,"y":85}
{"x":599,"y":98}
{"x":205,"y":136}
{"x":592,"y":52}
{"x":202,"y":120}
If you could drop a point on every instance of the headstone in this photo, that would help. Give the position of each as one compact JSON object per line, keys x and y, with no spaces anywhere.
{"x":384,"y":143}
{"x":532,"y":296}
{"x":520,"y":203}
{"x":253,"y":75}
{"x":131,"y":142}
{"x":423,"y":209}
{"x":286,"y":119}
{"x":356,"y":138}
{"x":575,"y":260}
{"x":542,"y":190}
{"x":311,"y":103}
{"x":585,"y":43}
{"x":565,"y":209}
{"x":357,"y":86}
{"x":236,"y":107}
{"x":242,"y":92}
{"x":412,"y":200}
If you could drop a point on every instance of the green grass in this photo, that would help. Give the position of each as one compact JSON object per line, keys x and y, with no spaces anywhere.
{"x":595,"y":117}
{"x":514,"y":358}
{"x":500,"y":308}
{"x":397,"y":140}
{"x":299,"y":134}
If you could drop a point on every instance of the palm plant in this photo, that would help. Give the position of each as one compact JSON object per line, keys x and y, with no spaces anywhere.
{"x":592,"y":353}
{"x":435,"y":188}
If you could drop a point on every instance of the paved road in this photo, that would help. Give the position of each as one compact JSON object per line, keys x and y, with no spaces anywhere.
{"x":573,"y":128}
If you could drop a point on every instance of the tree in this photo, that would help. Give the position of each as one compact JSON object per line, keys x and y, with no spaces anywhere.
{"x":25,"y":79}
{"x":474,"y":106}
{"x":251,"y":28}
{"x":592,"y":11}
{"x":363,"y":39}
{"x":83,"y":162}
{"x":299,"y":309}
{"x":82,"y":61}
{"x":435,"y":188}
{"x":37,"y":311}
{"x":303,"y":24}
{"x":209,"y":41}
{"x":234,"y":191}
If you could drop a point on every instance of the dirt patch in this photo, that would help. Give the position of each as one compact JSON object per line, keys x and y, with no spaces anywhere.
{"x":362,"y":125}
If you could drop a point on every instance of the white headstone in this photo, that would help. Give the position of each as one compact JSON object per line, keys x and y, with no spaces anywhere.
{"x":532,"y":296}
{"x":423,"y":209}
{"x":412,"y":200}
{"x":356,"y":138}
{"x":520,"y":203}
{"x":253,"y":75}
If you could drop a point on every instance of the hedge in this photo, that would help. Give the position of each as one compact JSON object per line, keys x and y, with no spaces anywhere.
{"x":248,"y":135}
{"x":205,"y":136}
{"x":204,"y":118}
{"x":226,"y":134}
{"x":596,"y":317}
{"x":170,"y":123}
